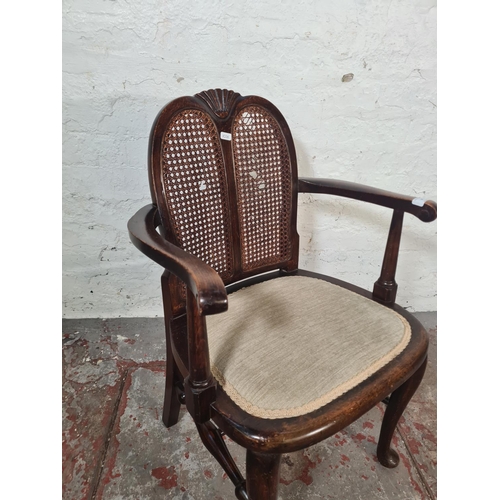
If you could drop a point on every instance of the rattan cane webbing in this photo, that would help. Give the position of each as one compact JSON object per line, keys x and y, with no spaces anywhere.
{"x":263,"y":181}
{"x":195,"y":189}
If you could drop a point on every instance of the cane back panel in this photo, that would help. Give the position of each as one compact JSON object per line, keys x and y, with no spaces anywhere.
{"x":263,"y":183}
{"x":195,"y":189}
{"x":223,"y":175}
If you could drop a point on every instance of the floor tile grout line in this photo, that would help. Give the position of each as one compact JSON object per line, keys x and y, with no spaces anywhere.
{"x":430,"y":493}
{"x":100,"y":466}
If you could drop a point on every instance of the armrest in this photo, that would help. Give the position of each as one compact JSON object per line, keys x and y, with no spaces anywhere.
{"x":203,"y":281}
{"x":426,"y":211}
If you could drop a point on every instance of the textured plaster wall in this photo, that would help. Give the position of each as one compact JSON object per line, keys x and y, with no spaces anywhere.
{"x":124,"y":60}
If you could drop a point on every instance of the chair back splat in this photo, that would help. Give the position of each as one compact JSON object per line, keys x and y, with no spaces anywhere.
{"x":223,"y":174}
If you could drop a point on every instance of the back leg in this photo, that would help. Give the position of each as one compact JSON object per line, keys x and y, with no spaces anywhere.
{"x":398,"y":401}
{"x":173,"y":388}
{"x":174,"y":384}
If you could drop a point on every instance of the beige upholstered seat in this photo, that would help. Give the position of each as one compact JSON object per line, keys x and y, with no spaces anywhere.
{"x":290,"y":345}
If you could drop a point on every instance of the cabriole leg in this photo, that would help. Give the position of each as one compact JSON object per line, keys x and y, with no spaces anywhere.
{"x":263,"y":474}
{"x":387,"y":456}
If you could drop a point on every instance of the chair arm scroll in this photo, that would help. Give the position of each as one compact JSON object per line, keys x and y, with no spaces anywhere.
{"x":203,"y":281}
{"x":426,"y":211}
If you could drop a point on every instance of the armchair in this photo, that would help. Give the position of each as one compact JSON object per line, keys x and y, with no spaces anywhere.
{"x":276,"y":357}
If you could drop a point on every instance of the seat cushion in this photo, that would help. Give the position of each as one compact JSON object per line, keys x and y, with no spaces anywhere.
{"x":290,"y":345}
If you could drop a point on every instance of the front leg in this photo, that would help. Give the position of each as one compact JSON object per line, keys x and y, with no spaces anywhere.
{"x":398,"y":401}
{"x":263,"y":474}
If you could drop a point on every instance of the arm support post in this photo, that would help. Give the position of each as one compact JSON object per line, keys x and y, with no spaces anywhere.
{"x":385,"y":287}
{"x":200,"y":385}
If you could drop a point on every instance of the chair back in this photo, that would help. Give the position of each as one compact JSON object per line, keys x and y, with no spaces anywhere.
{"x":223,"y":174}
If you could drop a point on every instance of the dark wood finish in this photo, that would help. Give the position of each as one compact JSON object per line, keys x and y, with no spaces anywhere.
{"x":263,"y":475}
{"x":200,"y":278}
{"x":173,"y":379}
{"x":192,"y":288}
{"x":233,"y":204}
{"x":221,"y":102}
{"x":426,"y":213}
{"x":199,"y":386}
{"x":385,"y":288}
{"x":214,"y":442}
{"x":398,"y":401}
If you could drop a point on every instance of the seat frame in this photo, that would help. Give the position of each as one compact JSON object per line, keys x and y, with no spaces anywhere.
{"x":189,"y":379}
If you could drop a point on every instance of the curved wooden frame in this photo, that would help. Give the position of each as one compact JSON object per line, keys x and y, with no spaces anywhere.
{"x":188,"y":375}
{"x":223,"y":120}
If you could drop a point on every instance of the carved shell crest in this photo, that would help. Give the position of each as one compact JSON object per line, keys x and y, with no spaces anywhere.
{"x":220,"y":101}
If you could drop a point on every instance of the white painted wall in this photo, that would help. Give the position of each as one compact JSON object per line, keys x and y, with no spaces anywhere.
{"x":124,"y":60}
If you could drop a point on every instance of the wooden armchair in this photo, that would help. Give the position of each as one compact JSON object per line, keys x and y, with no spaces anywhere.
{"x":276,"y":357}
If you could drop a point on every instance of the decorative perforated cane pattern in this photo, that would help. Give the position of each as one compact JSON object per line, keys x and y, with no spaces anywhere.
{"x":195,"y":189}
{"x":263,"y":179}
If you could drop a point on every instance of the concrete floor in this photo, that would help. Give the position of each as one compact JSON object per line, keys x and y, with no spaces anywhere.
{"x":116,"y":447}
